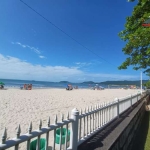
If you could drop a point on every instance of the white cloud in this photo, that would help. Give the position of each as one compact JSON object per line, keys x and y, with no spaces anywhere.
{"x":14,"y":68}
{"x":82,"y":64}
{"x":36,"y":50}
{"x":77,"y":63}
{"x":86,"y":64}
{"x":42,"y":56}
{"x":96,"y":62}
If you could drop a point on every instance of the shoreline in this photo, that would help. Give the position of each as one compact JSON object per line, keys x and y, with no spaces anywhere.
{"x":37,"y":87}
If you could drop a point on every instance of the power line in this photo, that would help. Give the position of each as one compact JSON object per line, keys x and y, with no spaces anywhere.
{"x":64,"y":32}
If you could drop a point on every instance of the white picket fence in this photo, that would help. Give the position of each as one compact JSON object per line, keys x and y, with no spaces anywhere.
{"x":81,"y":126}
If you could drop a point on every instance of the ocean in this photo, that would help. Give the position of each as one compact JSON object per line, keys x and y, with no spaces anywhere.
{"x":11,"y":83}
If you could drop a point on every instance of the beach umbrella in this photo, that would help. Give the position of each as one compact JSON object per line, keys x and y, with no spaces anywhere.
{"x":1,"y":83}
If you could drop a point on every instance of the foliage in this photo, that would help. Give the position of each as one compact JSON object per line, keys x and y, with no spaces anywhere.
{"x":147,"y":84}
{"x":148,"y":74}
{"x":137,"y":38}
{"x":147,"y":143}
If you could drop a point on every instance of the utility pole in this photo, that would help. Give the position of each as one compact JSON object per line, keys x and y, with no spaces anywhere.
{"x":141,"y":82}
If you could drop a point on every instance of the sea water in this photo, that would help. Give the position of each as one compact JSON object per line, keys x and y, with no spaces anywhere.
{"x":11,"y":83}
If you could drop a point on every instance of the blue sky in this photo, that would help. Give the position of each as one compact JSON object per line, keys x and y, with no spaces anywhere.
{"x":33,"y":49}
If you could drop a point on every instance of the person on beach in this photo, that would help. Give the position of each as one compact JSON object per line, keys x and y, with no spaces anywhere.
{"x":69,"y":87}
{"x":30,"y":87}
{"x":1,"y":87}
{"x":26,"y":86}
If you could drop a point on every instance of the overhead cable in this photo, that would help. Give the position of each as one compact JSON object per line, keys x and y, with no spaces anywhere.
{"x":65,"y":32}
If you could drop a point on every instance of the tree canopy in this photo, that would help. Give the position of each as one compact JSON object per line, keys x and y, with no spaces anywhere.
{"x":137,"y":38}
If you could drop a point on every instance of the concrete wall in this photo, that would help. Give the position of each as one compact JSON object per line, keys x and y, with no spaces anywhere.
{"x":126,"y":139}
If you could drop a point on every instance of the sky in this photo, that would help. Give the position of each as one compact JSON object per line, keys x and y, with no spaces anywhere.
{"x":78,"y":42}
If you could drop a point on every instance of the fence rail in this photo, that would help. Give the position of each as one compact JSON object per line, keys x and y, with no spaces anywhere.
{"x":81,"y":126}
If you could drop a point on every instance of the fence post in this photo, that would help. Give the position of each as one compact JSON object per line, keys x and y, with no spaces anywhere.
{"x":140,"y":96}
{"x":131,"y":101}
{"x":116,"y":99}
{"x":137,"y":96}
{"x":4,"y":136}
{"x":74,"y":130}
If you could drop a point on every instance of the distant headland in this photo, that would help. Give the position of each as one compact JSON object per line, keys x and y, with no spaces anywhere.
{"x":124,"y":82}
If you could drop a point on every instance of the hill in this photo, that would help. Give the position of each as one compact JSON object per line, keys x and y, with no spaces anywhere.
{"x":137,"y":83}
{"x":64,"y":82}
{"x":88,"y":82}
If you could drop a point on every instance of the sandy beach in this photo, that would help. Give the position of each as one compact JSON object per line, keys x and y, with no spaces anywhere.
{"x":23,"y":106}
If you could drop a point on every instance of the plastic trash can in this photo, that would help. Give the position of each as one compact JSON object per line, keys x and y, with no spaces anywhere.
{"x":64,"y":132}
{"x":42,"y":144}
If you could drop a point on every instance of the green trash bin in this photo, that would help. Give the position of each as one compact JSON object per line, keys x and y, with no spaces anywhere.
{"x":64,"y":132}
{"x":42,"y":144}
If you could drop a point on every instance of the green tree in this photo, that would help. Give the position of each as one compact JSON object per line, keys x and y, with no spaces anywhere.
{"x":148,"y":74}
{"x":137,"y":38}
{"x":147,"y":84}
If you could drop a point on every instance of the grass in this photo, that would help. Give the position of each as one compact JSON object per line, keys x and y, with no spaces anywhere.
{"x":147,"y":142}
{"x":142,"y":140}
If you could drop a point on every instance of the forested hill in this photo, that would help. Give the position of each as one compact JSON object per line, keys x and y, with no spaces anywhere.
{"x":137,"y":83}
{"x":125,"y":82}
